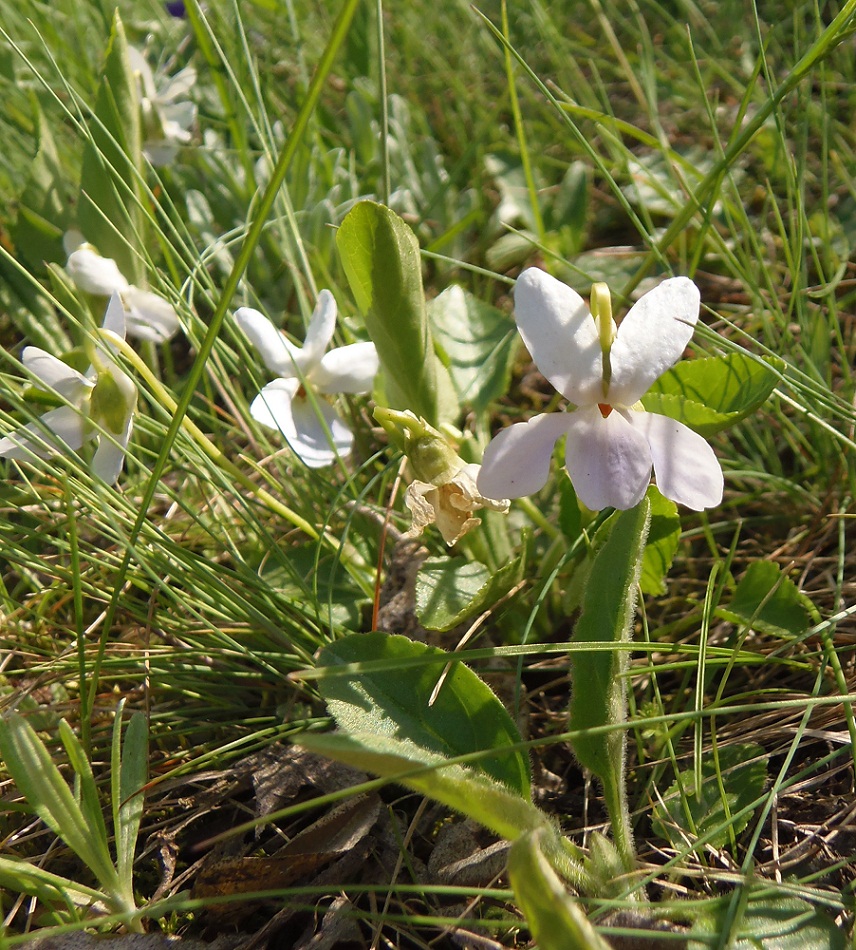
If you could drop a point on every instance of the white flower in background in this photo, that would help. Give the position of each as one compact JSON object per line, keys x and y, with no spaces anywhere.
{"x":147,"y":316}
{"x":166,"y":121}
{"x":611,"y":441}
{"x":99,"y":405}
{"x":293,"y":403}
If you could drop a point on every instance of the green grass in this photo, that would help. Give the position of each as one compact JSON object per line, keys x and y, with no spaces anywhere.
{"x":609,"y":141}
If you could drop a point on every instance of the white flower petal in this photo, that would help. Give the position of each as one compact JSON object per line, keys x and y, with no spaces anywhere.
{"x":110,"y":455}
{"x":55,"y":375}
{"x":272,"y":406}
{"x":517,"y":461}
{"x":177,"y":120}
{"x":95,"y":274}
{"x":608,"y":459}
{"x":279,"y":407}
{"x":148,"y":316}
{"x":347,"y":369}
{"x":278,"y":354}
{"x":140,"y":66}
{"x":560,"y":333}
{"x":72,"y":241}
{"x":319,"y":333}
{"x":179,"y":85}
{"x":160,"y":153}
{"x":685,"y":466}
{"x":114,"y":318}
{"x":651,"y":338}
{"x":311,"y":442}
{"x":66,"y":429}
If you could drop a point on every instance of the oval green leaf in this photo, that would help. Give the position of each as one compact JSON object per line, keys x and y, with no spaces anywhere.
{"x":712,"y":394}
{"x":465,"y":717}
{"x":380,"y":255}
{"x":730,"y":783}
{"x":479,"y":342}
{"x":448,"y":590}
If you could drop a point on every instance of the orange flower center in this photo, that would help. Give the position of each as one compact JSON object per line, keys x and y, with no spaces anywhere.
{"x":604,"y":409}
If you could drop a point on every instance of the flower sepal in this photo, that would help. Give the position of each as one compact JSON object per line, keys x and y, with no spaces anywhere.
{"x":432,"y":459}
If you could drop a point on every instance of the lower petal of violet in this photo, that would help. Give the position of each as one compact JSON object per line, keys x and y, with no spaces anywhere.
{"x":608,"y":460}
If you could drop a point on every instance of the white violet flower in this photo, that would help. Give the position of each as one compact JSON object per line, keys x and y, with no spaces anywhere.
{"x":148,"y":316}
{"x":311,"y":426}
{"x":611,"y":441}
{"x":166,"y":121}
{"x":99,"y":405}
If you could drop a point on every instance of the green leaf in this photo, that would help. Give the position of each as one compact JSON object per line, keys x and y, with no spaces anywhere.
{"x":380,"y":255}
{"x":20,"y":877}
{"x":86,"y":791}
{"x":685,"y":812}
{"x":570,"y":516}
{"x":783,"y":923}
{"x":711,"y":394}
{"x":448,"y":590}
{"x":556,"y":920}
{"x":663,"y":537}
{"x":465,"y":717}
{"x":767,"y":600}
{"x":490,"y":803}
{"x":479,"y":342}
{"x":43,"y":207}
{"x":597,"y":685}
{"x":110,"y":185}
{"x":32,"y":769}
{"x":128,"y":779}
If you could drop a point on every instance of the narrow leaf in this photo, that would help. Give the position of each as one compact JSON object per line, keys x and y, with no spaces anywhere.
{"x":110,"y":191}
{"x":30,"y":764}
{"x":43,"y":206}
{"x":90,"y":802}
{"x":556,"y":920}
{"x":128,"y":795}
{"x":20,"y":877}
{"x":597,"y":686}
{"x":493,"y":805}
{"x":465,"y":717}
